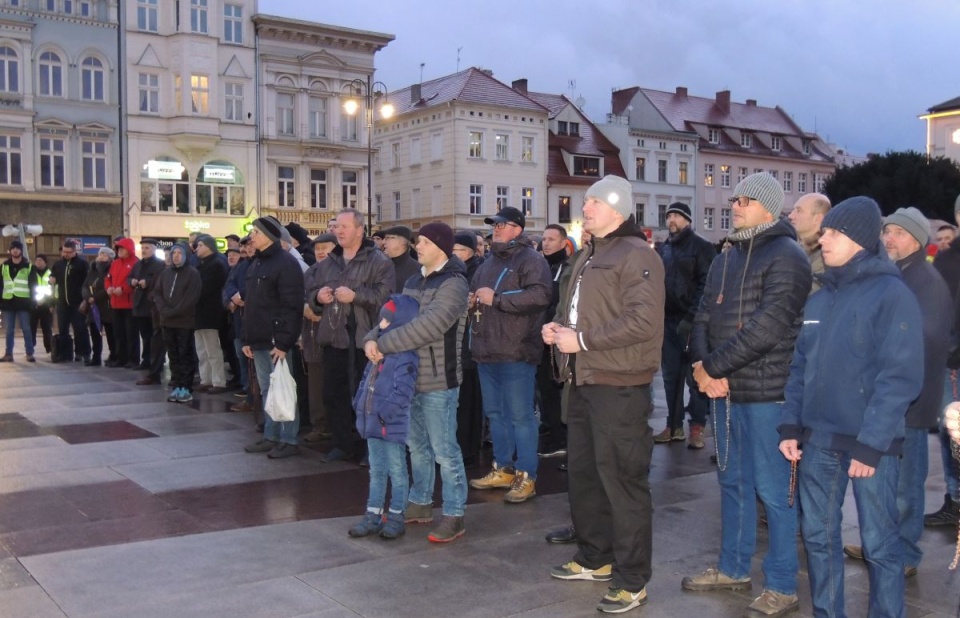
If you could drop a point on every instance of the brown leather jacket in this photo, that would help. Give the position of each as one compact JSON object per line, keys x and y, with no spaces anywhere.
{"x":620,"y":309}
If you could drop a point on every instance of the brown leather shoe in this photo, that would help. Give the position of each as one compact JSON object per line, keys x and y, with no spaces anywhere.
{"x":242,"y":407}
{"x":147,"y":381}
{"x":216,"y":390}
{"x":203,"y":388}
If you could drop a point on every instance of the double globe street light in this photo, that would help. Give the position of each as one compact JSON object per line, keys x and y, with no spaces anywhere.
{"x":369,"y":93}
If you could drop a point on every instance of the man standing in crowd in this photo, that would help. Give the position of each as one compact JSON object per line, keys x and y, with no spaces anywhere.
{"x":686,"y":261}
{"x":441,"y":290}
{"x":355,"y":280}
{"x":210,"y":315}
{"x":555,"y":440}
{"x":41,"y":317}
{"x":143,"y":280}
{"x":232,"y":298}
{"x":396,"y":246}
{"x":273,"y":306}
{"x":947,"y":264}
{"x":300,"y":241}
{"x":945,"y":235}
{"x":68,"y":274}
{"x":858,"y":364}
{"x":470,"y":403}
{"x":608,"y":337}
{"x":17,"y":284}
{"x":312,"y":354}
{"x":121,"y":301}
{"x":176,"y":297}
{"x":905,"y":236}
{"x":743,"y":338}
{"x":806,"y":217}
{"x":509,"y":294}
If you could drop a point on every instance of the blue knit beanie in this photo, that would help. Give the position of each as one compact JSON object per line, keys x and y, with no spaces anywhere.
{"x":858,"y":218}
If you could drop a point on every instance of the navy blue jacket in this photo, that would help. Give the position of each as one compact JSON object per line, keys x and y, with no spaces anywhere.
{"x":858,"y":362}
{"x":383,"y":400}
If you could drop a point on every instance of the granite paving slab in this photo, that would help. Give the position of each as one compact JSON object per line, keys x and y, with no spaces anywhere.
{"x":28,"y":602}
{"x":75,"y":457}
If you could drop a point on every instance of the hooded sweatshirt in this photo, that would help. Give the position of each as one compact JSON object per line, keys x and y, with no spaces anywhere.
{"x":178,"y":292}
{"x":119,"y":275}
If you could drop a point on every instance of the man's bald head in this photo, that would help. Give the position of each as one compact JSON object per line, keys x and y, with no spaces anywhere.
{"x":808,"y":213}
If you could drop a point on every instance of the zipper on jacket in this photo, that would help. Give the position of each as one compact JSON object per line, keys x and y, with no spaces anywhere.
{"x":433,"y":362}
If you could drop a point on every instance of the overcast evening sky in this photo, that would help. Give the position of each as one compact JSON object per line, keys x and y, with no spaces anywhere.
{"x":857,"y":72}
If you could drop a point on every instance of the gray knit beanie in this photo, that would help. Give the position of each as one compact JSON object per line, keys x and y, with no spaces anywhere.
{"x":763,"y":188}
{"x":912,"y":220}
{"x":615,"y":192}
{"x":858,"y":218}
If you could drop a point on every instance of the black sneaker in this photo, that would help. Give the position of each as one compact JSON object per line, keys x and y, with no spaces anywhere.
{"x":946,"y":516}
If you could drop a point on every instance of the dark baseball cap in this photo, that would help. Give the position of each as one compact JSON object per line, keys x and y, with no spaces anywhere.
{"x":507,"y":214}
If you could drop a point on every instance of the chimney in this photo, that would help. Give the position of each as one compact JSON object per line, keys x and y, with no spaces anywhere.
{"x":520,"y":85}
{"x":723,"y":101}
{"x":751,"y":102}
{"x":681,"y":91}
{"x":415,"y":96}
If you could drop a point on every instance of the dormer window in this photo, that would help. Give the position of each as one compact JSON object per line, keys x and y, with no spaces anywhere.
{"x":586,"y":166}
{"x":775,"y":143}
{"x":746,"y":140}
{"x":713,"y":136}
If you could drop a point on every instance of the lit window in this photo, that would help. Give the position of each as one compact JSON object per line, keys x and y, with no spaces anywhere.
{"x":725,"y":176}
{"x":200,"y":94}
{"x":563,"y":209}
{"x":640,"y":167}
{"x":586,"y":166}
{"x":708,"y":174}
{"x":526,"y":146}
{"x":684,"y":179}
{"x":526,"y":200}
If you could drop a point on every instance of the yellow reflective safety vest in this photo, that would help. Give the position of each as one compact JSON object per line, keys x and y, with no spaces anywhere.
{"x":16,"y":287}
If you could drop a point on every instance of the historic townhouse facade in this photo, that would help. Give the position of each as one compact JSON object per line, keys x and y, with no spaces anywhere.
{"x":659,"y":162}
{"x":943,"y":130}
{"x":60,"y":137}
{"x":733,"y":141}
{"x":190,"y":92}
{"x":459,"y":148}
{"x":313,"y":158}
{"x":578,"y":155}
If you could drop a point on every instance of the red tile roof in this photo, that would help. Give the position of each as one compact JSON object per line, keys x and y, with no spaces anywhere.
{"x":469,"y":86}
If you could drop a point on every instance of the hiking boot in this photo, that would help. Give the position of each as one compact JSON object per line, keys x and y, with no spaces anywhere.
{"x":450,"y":529}
{"x":618,"y":600}
{"x":854,"y":551}
{"x":521,"y":489}
{"x":31,"y":358}
{"x":174,"y":395}
{"x":261,"y":446}
{"x":696,"y":437}
{"x":574,"y":570}
{"x":371,"y":523}
{"x":92,"y":362}
{"x":497,"y":478}
{"x":669,"y":435}
{"x":243,"y":406}
{"x":394,"y":528}
{"x":6,"y":358}
{"x":185,"y":396}
{"x":283,"y":450}
{"x":946,"y":516}
{"x":564,"y":535}
{"x":419,"y":513}
{"x":713,"y":579}
{"x":772,"y":603}
{"x":909,"y":571}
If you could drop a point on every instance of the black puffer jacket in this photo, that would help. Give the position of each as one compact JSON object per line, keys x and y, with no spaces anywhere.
{"x":686,"y":262}
{"x":273,"y":300}
{"x":213,"y":276}
{"x":147,"y":270}
{"x":751,"y":312}
{"x":509,"y":331}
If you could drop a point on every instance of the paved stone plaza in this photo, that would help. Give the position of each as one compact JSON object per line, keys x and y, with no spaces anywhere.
{"x":114,"y":502}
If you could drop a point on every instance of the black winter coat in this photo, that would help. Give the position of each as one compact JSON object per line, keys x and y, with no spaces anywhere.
{"x":177,"y":294}
{"x":273,"y":300}
{"x":149,"y":271}
{"x":751,"y":313}
{"x":213,"y":276}
{"x":947,"y":264}
{"x":686,"y":262}
{"x":70,"y":275}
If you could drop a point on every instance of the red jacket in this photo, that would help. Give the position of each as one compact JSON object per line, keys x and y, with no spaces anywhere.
{"x":119,"y":275}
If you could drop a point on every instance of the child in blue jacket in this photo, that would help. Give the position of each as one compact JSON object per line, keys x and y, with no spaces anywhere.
{"x":382,"y":404}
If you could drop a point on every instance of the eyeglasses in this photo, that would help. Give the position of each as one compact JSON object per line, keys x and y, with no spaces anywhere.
{"x":742,"y":201}
{"x":500,"y":226}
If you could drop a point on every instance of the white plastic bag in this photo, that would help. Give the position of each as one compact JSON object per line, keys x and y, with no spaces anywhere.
{"x":281,"y":402}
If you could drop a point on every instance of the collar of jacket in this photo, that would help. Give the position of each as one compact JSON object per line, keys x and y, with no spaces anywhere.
{"x":505,"y":249}
{"x":917,"y":256}
{"x":679,"y":237}
{"x":863,"y":264}
{"x":270,"y":251}
{"x":558,"y":257}
{"x":627,"y":228}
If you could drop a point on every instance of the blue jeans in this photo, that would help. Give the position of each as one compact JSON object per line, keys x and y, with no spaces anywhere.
{"x":507,"y":390}
{"x":433,"y":439}
{"x":823,"y":483}
{"x":914,"y":465}
{"x":244,"y":371}
{"x":755,"y":467}
{"x":11,"y":319}
{"x":387,"y":460}
{"x":272,"y":430}
{"x":677,"y":377}
{"x":949,"y":465}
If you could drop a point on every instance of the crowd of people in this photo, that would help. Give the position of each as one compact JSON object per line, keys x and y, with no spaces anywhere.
{"x":817,"y":345}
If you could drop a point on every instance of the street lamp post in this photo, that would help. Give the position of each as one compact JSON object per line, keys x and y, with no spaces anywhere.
{"x":366,"y":89}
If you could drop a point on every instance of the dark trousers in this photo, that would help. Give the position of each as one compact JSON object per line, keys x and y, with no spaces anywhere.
{"x":550,"y":402}
{"x":126,"y":336}
{"x":675,"y":367}
{"x":470,"y":416}
{"x":342,"y":372}
{"x":318,"y":415}
{"x":158,"y":351}
{"x":609,"y":450}
{"x":42,"y":317}
{"x":183,"y":356}
{"x":144,"y":334}
{"x":68,"y":316}
{"x":297,"y":370}
{"x":225,"y":333}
